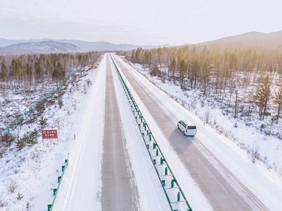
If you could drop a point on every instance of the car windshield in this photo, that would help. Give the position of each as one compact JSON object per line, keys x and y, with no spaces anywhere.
{"x":191,"y":127}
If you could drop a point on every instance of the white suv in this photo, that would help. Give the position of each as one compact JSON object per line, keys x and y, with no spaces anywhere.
{"x":187,"y":127}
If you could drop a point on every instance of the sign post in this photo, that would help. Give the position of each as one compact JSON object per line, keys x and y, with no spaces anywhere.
{"x":49,"y":134}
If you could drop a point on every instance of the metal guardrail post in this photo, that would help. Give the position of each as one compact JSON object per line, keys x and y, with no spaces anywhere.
{"x":55,"y":190}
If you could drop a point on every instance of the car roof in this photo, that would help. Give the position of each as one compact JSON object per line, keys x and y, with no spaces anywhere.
{"x":188,"y":122}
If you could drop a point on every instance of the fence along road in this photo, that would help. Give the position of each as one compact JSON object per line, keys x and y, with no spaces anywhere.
{"x":118,"y":191}
{"x":220,"y":193}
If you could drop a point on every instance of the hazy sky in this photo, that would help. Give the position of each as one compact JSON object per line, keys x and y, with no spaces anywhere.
{"x":137,"y":22}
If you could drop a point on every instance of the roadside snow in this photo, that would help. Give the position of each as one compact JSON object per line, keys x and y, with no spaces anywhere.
{"x":81,"y":186}
{"x":27,"y":176}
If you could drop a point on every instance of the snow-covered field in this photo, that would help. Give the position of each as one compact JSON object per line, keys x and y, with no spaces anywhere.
{"x":265,"y":183}
{"x":27,"y":176}
{"x":16,"y":101}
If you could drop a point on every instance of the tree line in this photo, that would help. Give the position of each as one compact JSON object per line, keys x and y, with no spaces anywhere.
{"x":219,"y":70}
{"x":22,"y":70}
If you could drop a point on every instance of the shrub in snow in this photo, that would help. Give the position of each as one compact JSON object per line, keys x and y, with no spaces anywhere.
{"x":20,"y":143}
{"x":214,"y":121}
{"x":255,"y":153}
{"x":60,"y":102}
{"x":89,"y":83}
{"x":183,"y":87}
{"x":19,"y":196}
{"x":7,"y":138}
{"x":43,"y":122}
{"x":40,"y":107}
{"x":2,"y":204}
{"x":33,"y":137}
{"x":155,"y":71}
{"x":27,"y":205}
{"x":74,"y":106}
{"x":12,"y":187}
{"x":28,"y":139}
{"x":202,"y":103}
{"x":207,"y":116}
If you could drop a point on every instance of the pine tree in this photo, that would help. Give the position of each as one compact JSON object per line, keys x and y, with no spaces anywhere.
{"x":155,"y":71}
{"x":278,"y":103}
{"x":28,"y":72}
{"x":147,"y":58}
{"x":58,"y":73}
{"x":205,"y":72}
{"x":182,"y":69}
{"x":133,"y":55}
{"x":3,"y":73}
{"x":38,"y":68}
{"x":172,"y":67}
{"x":14,"y":68}
{"x":262,"y":96}
{"x":49,"y":67}
{"x":194,"y":70}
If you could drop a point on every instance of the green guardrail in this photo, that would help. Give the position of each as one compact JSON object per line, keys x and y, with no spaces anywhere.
{"x":12,"y":125}
{"x":174,"y":194}
{"x":55,"y":190}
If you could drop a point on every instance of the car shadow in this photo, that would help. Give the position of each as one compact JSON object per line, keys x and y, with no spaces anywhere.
{"x":179,"y":141}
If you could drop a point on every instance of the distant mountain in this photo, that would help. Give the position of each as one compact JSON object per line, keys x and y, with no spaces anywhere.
{"x":62,"y":46}
{"x":106,"y":46}
{"x":49,"y":46}
{"x":251,"y":39}
{"x":5,"y":42}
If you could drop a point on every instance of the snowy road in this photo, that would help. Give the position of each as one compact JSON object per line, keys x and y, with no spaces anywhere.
{"x":100,"y":174}
{"x":109,"y":168}
{"x":222,"y":191}
{"x":118,"y":192}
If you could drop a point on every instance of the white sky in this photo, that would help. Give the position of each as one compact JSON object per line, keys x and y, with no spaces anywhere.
{"x":137,"y":22}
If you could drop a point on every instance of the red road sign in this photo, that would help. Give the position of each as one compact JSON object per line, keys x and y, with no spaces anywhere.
{"x":49,"y":134}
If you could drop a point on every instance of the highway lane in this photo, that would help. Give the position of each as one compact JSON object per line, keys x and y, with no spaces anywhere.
{"x":118,"y":191}
{"x":220,"y":187}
